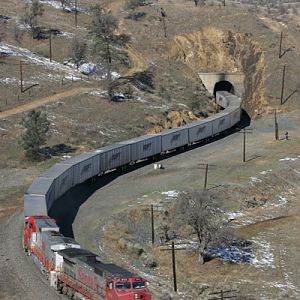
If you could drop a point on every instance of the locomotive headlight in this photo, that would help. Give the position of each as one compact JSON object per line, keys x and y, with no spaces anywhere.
{"x":136,"y":296}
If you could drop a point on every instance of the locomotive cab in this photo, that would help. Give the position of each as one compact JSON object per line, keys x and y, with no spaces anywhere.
{"x":127,"y":288}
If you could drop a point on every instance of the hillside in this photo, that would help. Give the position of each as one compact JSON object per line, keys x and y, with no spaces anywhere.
{"x":161,"y":89}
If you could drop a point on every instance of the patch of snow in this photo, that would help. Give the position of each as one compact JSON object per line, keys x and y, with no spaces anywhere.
{"x":99,"y":93}
{"x":254,"y":180}
{"x":283,"y":24}
{"x":66,"y":157}
{"x":234,"y":215}
{"x":8,"y":80}
{"x":263,"y":255}
{"x":182,"y":104}
{"x":37,"y":59}
{"x":289,"y":158}
{"x":73,"y":78}
{"x":139,"y":99}
{"x":170,"y":194}
{"x":66,"y":34}
{"x":265,"y":172}
{"x":282,"y":201}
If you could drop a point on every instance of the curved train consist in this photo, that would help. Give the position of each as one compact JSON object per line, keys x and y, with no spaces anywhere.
{"x":77,"y":272}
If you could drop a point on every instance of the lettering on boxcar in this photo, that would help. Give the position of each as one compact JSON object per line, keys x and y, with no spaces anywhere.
{"x":200,"y":130}
{"x":147,"y":147}
{"x":175,"y":138}
{"x":115,"y":156}
{"x":63,"y":182}
{"x":85,"y":168}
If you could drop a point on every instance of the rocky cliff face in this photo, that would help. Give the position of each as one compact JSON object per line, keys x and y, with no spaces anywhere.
{"x":216,"y":50}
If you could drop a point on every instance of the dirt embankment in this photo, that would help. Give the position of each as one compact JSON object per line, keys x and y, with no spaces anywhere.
{"x":172,"y":119}
{"x":216,"y":50}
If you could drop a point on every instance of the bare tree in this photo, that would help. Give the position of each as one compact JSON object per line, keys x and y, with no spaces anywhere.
{"x":78,"y":50}
{"x":198,"y":209}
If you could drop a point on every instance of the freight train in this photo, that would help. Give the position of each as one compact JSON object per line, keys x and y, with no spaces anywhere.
{"x":77,"y":272}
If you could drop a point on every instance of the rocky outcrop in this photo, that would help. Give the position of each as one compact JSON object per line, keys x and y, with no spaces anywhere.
{"x":216,"y":50}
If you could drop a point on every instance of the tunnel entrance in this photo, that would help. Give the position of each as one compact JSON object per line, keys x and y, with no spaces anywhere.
{"x":223,"y":85}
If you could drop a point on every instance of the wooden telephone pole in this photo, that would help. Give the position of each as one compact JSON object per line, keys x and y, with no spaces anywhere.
{"x":76,"y":12}
{"x":276,"y":126}
{"x":21,"y":76}
{"x":50,"y":46}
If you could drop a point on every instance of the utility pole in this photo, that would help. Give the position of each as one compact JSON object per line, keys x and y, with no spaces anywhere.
{"x":282,"y":85}
{"x":76,"y":12}
{"x":244,"y":142}
{"x":152,"y":224}
{"x":280,"y":44}
{"x":276,"y":126}
{"x":205,"y":179}
{"x":21,"y":76}
{"x":224,"y":4}
{"x":205,"y":167}
{"x":174,"y":268}
{"x":50,"y":46}
{"x":244,"y":146}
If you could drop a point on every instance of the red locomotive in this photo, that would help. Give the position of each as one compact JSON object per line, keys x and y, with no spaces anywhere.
{"x":77,"y":272}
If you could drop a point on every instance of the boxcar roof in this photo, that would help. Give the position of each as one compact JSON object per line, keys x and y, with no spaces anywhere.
{"x":111,"y":147}
{"x":40,"y":186}
{"x":56,"y":170}
{"x":79,"y":158}
{"x":168,"y":131}
{"x":139,"y":138}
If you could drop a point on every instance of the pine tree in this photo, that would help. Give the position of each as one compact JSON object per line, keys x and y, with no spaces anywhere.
{"x":36,"y":127}
{"x":107,"y":46}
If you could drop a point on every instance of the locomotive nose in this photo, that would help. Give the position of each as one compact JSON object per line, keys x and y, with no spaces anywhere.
{"x":137,"y":296}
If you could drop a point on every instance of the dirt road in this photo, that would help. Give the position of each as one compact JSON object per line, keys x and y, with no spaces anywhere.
{"x":40,"y":102}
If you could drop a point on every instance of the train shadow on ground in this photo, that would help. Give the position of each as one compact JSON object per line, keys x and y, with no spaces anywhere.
{"x":65,"y":209}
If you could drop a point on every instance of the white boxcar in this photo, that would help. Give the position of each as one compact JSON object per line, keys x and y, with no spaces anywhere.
{"x":174,"y":138}
{"x":39,"y":195}
{"x":62,"y":175}
{"x":144,"y":146}
{"x":84,"y":166}
{"x":199,"y":130}
{"x":224,"y":98}
{"x":113,"y":156}
{"x":221,"y":122}
{"x":235,"y":114}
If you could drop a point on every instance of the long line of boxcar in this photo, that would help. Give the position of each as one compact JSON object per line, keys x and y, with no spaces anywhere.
{"x":57,"y":180}
{"x":72,"y":270}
